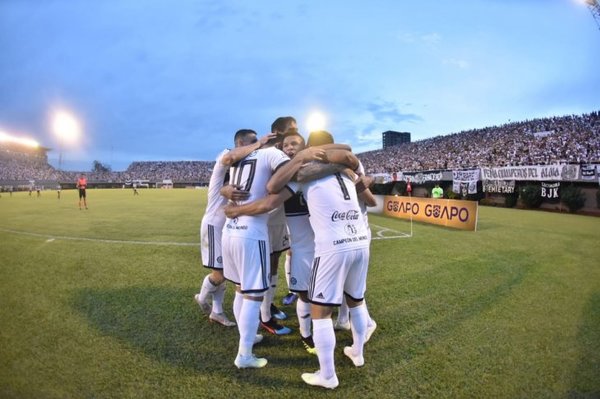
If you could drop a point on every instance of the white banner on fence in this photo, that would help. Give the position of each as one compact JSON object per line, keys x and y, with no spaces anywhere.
{"x":422,"y":177}
{"x":499,"y":186}
{"x":465,"y":181}
{"x":532,"y":173}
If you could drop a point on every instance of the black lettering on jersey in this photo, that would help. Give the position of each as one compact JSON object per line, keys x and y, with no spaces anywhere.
{"x":243,"y":174}
{"x":342,"y":186}
{"x":295,"y":205}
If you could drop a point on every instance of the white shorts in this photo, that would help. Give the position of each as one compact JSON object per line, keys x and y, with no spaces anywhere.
{"x":210,"y":245}
{"x":279,"y":238}
{"x":300,"y":270}
{"x":246,"y":263}
{"x":338,"y":273}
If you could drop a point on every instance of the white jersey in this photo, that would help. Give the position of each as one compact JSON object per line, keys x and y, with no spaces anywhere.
{"x":215,"y":203}
{"x":252,"y":173}
{"x":335,"y":215}
{"x":362,"y":204}
{"x":301,"y":235}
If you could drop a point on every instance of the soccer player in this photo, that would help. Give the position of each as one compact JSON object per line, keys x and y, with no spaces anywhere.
{"x":82,"y":186}
{"x":211,"y":230}
{"x":279,"y":241}
{"x":246,"y":245}
{"x":340,"y":264}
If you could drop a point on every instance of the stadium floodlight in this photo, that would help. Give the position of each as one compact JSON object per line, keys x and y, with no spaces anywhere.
{"x":594,"y":8}
{"x":315,"y":121}
{"x":7,"y":138}
{"x":67,"y":129}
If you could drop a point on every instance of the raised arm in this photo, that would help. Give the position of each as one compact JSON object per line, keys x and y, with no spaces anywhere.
{"x":284,"y":174}
{"x":338,"y":160}
{"x":238,"y":153}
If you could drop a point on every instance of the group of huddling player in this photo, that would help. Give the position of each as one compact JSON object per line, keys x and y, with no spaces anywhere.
{"x":275,"y":194}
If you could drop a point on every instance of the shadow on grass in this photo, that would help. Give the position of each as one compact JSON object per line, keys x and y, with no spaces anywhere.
{"x":586,"y":381}
{"x":166,"y":324}
{"x":449,"y":302}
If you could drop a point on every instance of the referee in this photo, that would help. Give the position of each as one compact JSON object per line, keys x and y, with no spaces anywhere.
{"x":82,"y":185}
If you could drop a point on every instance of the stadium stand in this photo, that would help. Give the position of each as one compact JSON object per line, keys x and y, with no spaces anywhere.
{"x":565,"y":139}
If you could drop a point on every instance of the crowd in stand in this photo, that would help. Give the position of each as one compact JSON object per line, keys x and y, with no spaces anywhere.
{"x":566,"y":139}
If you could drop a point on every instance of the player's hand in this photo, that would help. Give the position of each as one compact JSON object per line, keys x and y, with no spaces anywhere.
{"x":367,"y":180}
{"x":350,"y":173}
{"x":232,"y":192}
{"x":265,"y":139}
{"x":231,"y":211}
{"x":313,"y":154}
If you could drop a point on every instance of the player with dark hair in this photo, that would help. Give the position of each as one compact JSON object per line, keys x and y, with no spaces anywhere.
{"x":211,"y":228}
{"x":279,"y":241}
{"x":246,"y":247}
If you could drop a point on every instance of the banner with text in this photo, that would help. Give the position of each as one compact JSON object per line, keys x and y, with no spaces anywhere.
{"x":534,"y":173}
{"x":588,"y":172}
{"x":450,"y":213}
{"x":422,"y":177}
{"x":499,"y":186}
{"x":550,"y":191}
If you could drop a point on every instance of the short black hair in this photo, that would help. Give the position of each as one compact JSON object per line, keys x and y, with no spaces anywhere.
{"x":242,"y":136}
{"x":281,"y":124}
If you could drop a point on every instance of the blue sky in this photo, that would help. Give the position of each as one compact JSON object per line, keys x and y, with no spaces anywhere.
{"x":174,"y":80}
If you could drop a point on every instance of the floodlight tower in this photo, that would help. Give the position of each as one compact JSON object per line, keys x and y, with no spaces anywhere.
{"x":594,"y":8}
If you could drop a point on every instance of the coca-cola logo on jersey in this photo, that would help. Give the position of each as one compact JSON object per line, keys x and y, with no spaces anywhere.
{"x":338,"y":216}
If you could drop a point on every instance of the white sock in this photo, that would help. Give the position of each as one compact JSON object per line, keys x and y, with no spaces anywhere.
{"x":324,"y":338}
{"x":288,"y":265}
{"x":358,"y":321}
{"x":237,"y":305}
{"x":206,"y":289}
{"x":343,"y":313}
{"x":304,"y":319}
{"x":265,"y":307}
{"x":248,"y":326}
{"x":218,"y":295}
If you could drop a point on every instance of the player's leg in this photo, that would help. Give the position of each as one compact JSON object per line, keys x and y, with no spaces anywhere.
{"x":253,"y":273}
{"x":326,"y":288}
{"x":290,"y":296}
{"x":354,"y":290}
{"x":300,"y":273}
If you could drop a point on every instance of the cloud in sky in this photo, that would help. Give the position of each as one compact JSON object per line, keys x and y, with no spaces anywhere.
{"x":155,"y":80}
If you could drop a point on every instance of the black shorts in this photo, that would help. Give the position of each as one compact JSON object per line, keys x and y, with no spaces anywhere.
{"x":81,"y":193}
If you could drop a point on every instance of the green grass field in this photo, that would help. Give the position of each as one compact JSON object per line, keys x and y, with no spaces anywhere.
{"x":99,"y":304}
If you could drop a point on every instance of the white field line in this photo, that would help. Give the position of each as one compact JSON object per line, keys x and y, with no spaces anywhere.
{"x":52,"y":237}
{"x":383,"y":230}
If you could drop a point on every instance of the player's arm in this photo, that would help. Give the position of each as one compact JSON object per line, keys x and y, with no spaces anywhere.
{"x":233,"y":193}
{"x":335,"y":146}
{"x":286,"y":172}
{"x":364,"y":193}
{"x":238,"y":153}
{"x":257,"y":207}
{"x":338,"y":159}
